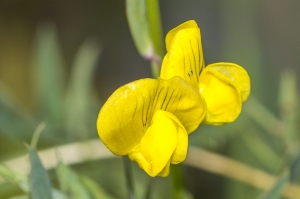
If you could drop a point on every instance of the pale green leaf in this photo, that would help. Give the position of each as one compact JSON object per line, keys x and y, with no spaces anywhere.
{"x":139,"y":24}
{"x":94,"y":189}
{"x":295,"y":170}
{"x":80,"y":101}
{"x":39,"y":179}
{"x":11,"y":114}
{"x":57,"y":194}
{"x":17,"y":178}
{"x":21,"y":197}
{"x":277,"y":190}
{"x":48,"y":72}
{"x":70,"y":184}
{"x":76,"y":186}
{"x":143,"y":17}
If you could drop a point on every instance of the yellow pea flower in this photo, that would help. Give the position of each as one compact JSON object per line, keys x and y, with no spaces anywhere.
{"x":224,"y":86}
{"x":149,"y":120}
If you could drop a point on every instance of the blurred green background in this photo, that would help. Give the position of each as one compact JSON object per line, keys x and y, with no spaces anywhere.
{"x":60,"y":60}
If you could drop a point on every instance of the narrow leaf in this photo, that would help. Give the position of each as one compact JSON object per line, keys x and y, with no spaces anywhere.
{"x":80,"y":99}
{"x":11,"y":114}
{"x":17,"y":178}
{"x":277,"y":191}
{"x":70,"y":183}
{"x":57,"y":194}
{"x":21,"y":197}
{"x":94,"y":189}
{"x":145,"y":26}
{"x":156,"y":27}
{"x":262,"y":149}
{"x":39,"y":179}
{"x":295,"y":170}
{"x":76,"y":186}
{"x":139,"y":24}
{"x":288,"y":101}
{"x":48,"y":72}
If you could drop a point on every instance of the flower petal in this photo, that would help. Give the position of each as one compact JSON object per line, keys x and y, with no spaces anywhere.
{"x":186,"y":25}
{"x":180,"y":152}
{"x":157,"y":145}
{"x":185,"y":56}
{"x":166,"y":170}
{"x":179,"y":98}
{"x":126,"y":115}
{"x":223,"y":99}
{"x":123,"y":119}
{"x":236,"y":74}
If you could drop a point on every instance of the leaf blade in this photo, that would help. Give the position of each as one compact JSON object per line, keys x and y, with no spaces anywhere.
{"x":277,"y":190}
{"x":39,"y":179}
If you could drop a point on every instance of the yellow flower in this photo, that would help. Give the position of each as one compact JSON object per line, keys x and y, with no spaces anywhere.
{"x":224,"y":86}
{"x":150,"y":119}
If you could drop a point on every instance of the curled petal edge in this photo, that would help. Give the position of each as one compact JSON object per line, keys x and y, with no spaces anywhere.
{"x":222,"y":97}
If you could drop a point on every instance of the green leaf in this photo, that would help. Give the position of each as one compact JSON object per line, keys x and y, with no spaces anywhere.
{"x":261,"y":114}
{"x":14,"y":177}
{"x":80,"y":101}
{"x":76,"y":186}
{"x":11,"y":114}
{"x":139,"y":24}
{"x":39,"y":179}
{"x":277,"y":190}
{"x":156,"y":27}
{"x":295,"y":170}
{"x":48,"y":72}
{"x":94,"y":189}
{"x":288,"y":91}
{"x":145,"y":26}
{"x":21,"y":197}
{"x":57,"y":194}
{"x":263,"y":150}
{"x":288,"y":101}
{"x":70,"y":183}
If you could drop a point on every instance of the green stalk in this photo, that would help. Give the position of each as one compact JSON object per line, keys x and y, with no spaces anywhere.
{"x":155,"y":27}
{"x":177,"y":180}
{"x":145,"y":26}
{"x":155,"y":69}
{"x":158,"y":44}
{"x":156,"y":34}
{"x":129,"y":177}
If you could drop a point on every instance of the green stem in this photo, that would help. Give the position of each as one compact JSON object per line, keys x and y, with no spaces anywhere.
{"x":156,"y":35}
{"x":177,"y":180}
{"x":149,"y":189}
{"x":155,"y":26}
{"x":155,"y":69}
{"x":129,"y":177}
{"x":157,"y":38}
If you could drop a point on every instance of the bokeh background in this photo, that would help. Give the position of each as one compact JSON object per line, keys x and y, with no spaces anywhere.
{"x":262,"y":36}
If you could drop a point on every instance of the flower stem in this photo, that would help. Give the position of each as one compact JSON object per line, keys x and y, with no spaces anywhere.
{"x":129,"y":177}
{"x":156,"y":35}
{"x":177,"y":180}
{"x":155,"y":26}
{"x":155,"y":69}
